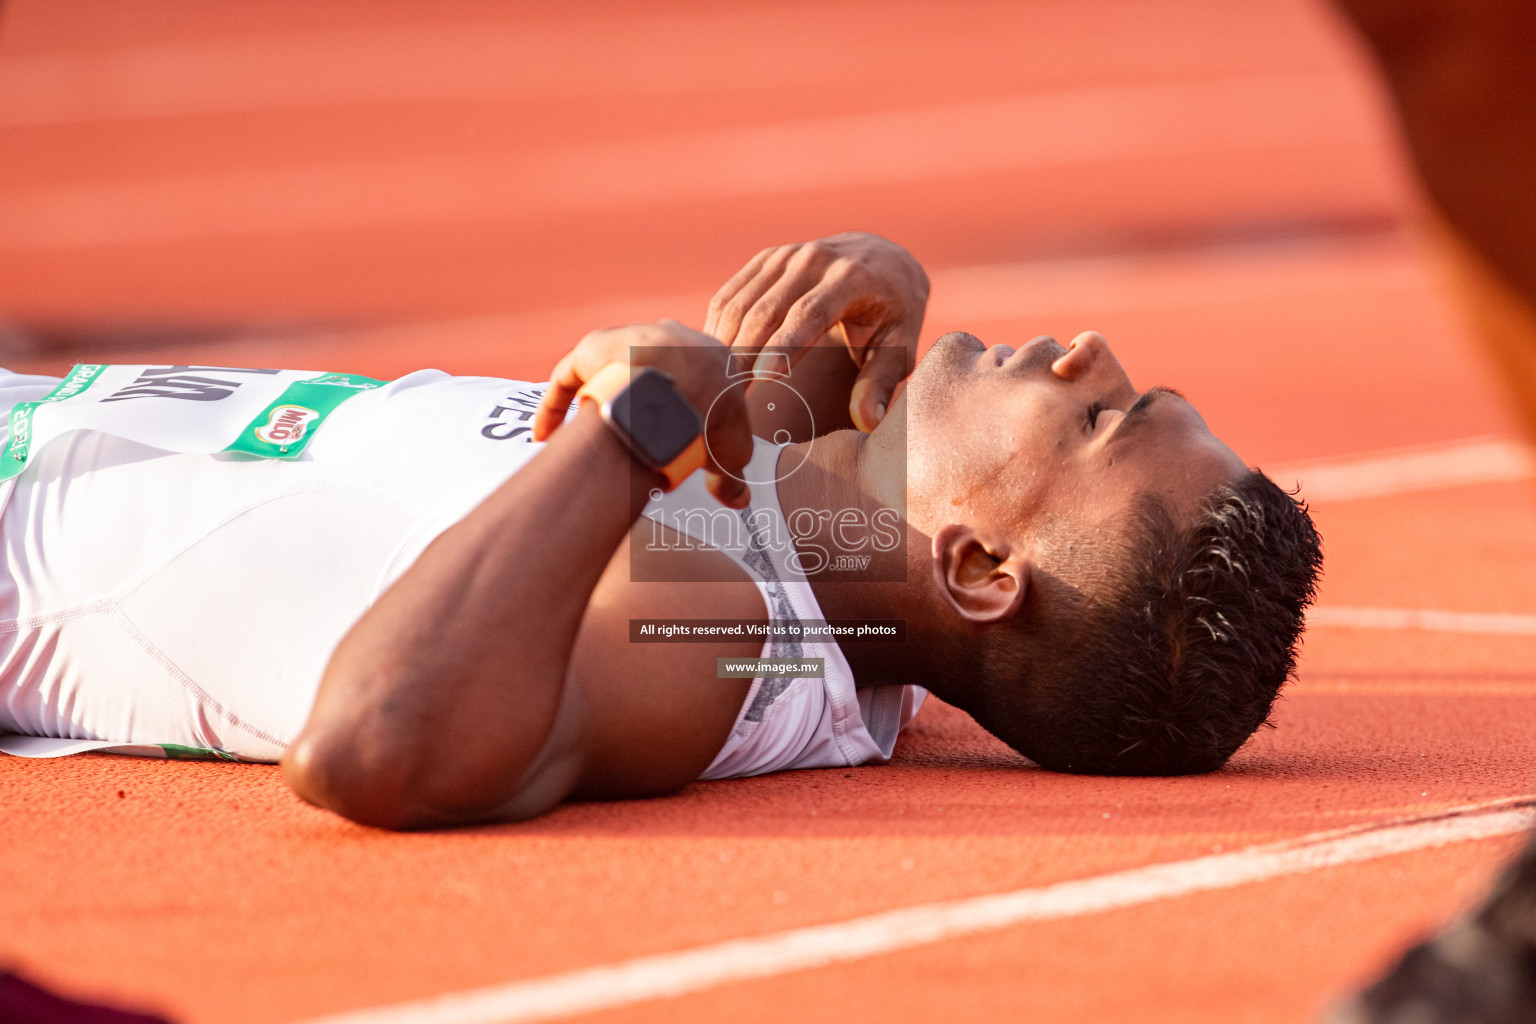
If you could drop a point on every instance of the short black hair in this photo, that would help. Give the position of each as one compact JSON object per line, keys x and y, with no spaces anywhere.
{"x":1181,"y":661}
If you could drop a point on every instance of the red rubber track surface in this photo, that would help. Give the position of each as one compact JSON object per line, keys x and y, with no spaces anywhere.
{"x":379,"y":187}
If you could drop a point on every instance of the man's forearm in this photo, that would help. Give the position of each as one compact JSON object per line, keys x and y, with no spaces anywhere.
{"x":441,"y":699}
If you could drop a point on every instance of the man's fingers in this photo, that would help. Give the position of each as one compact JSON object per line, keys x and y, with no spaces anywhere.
{"x":728,"y":442}
{"x":563,"y":385}
{"x":884,"y":367}
{"x":726,"y":319}
{"x":728,"y":491}
{"x":807,"y":274}
{"x":812,"y":315}
{"x":728,"y":449}
{"x":737,"y":281}
{"x":594,"y":351}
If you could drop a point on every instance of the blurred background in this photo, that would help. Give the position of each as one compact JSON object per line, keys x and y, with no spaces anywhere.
{"x":380,"y":186}
{"x":467,"y":184}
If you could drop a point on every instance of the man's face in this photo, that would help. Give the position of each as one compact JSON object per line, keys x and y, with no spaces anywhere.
{"x":1047,"y":441}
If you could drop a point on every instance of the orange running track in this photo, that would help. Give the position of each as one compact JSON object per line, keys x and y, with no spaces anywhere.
{"x":379,"y":187}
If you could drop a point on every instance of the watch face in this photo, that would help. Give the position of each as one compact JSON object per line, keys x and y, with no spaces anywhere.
{"x":660,"y":422}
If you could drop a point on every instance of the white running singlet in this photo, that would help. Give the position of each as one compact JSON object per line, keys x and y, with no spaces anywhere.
{"x":168,"y":603}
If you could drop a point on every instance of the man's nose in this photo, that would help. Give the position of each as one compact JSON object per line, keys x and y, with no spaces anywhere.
{"x":1084,"y":355}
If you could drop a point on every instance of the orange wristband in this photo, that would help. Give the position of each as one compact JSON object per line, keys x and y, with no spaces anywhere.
{"x":605,"y":385}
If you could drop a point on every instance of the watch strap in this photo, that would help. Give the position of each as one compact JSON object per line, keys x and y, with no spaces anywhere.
{"x":608,"y":383}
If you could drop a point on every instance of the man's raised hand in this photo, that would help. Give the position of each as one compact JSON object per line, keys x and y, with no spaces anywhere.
{"x":697,"y":365}
{"x":790,"y":295}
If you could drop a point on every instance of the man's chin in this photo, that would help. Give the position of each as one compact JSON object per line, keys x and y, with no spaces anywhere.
{"x":953,"y":354}
{"x":939,"y":374}
{"x":961,"y":340}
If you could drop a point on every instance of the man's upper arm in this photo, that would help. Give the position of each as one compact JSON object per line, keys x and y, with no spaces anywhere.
{"x":655,"y":715}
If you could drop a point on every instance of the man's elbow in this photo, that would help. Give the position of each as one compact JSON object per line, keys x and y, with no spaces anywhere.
{"x":333,"y":776}
{"x":406,"y":791}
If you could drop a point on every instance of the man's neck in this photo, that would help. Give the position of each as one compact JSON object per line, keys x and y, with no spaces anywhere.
{"x":843,"y":480}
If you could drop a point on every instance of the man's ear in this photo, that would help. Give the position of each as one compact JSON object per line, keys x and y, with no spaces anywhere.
{"x":982,"y":585}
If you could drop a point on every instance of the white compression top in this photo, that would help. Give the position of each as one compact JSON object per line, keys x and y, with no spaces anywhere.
{"x":151,"y":597}
{"x":786,"y":723}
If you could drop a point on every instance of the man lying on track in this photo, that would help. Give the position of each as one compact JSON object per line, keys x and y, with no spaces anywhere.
{"x":433,"y":599}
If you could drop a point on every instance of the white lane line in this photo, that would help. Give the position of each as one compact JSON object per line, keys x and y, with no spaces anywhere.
{"x":695,"y":970}
{"x":1242,"y":113}
{"x":525,"y":57}
{"x":1475,"y":460}
{"x":521,"y":58}
{"x":1313,"y":685}
{"x":962,"y":296}
{"x":972,"y":297}
{"x":1488,"y":623}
